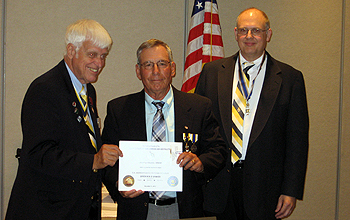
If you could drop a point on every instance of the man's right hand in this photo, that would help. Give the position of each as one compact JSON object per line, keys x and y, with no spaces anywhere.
{"x":131,"y":194}
{"x":106,"y":156}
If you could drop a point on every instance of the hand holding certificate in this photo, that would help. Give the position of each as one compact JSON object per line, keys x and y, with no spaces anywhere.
{"x":150,"y":166}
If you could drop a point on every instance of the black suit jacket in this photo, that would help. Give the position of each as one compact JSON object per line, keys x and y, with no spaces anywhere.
{"x":55,"y":178}
{"x":277,"y":152}
{"x":125,"y":120}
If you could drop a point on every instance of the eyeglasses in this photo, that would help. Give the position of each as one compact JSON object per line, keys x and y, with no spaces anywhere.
{"x":148,"y":65}
{"x":253,"y":31}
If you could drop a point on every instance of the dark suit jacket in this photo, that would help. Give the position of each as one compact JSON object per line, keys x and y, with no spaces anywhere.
{"x":55,"y":178}
{"x":125,"y":120}
{"x":276,"y":158}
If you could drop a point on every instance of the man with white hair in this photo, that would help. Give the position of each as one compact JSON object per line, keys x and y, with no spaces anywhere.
{"x":59,"y":175}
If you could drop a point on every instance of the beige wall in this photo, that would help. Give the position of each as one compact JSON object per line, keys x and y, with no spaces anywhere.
{"x":306,"y":34}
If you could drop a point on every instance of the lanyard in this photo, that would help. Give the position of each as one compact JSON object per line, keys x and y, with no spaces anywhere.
{"x":243,"y":83}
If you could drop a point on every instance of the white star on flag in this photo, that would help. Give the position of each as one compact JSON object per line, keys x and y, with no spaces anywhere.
{"x":199,"y":5}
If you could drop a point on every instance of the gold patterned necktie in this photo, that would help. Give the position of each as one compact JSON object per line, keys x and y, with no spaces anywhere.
{"x":238,"y":111}
{"x":84,"y":105}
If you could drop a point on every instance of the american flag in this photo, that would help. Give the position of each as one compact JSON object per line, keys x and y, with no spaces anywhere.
{"x":204,"y":41}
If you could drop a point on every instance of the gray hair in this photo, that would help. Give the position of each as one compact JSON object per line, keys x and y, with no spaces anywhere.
{"x":153,"y":43}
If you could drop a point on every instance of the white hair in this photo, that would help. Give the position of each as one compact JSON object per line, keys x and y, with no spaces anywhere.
{"x":91,"y":30}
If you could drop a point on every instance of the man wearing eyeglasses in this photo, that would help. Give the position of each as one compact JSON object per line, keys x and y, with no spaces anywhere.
{"x":261,"y":107}
{"x":131,"y":117}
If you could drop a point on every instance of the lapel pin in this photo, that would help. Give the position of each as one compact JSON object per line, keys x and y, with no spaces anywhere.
{"x":74,"y":104}
{"x":79,"y":119}
{"x":99,"y":123}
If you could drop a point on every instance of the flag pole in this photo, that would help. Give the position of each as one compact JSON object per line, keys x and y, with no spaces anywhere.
{"x":185,"y":35}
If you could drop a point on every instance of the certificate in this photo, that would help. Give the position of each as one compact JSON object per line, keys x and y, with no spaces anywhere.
{"x":150,"y":166}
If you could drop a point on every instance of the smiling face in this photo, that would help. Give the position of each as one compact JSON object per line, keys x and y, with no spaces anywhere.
{"x":86,"y":63}
{"x":156,"y":80}
{"x":252,"y":46}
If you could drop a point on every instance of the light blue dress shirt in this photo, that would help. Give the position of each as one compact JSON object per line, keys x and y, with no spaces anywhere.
{"x":78,"y":86}
{"x":169,"y":116}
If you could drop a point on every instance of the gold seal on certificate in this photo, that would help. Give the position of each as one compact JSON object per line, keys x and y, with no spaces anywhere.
{"x":128,"y":181}
{"x":150,"y":166}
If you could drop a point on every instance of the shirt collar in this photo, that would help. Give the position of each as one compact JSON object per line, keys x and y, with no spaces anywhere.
{"x":167,"y":99}
{"x":257,"y":62}
{"x":76,"y":83}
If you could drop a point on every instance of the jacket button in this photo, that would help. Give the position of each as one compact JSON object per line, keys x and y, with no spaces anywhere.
{"x":92,"y":197}
{"x":145,"y":204}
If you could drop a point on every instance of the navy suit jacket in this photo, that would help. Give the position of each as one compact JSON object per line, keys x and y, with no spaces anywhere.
{"x":125,"y":120}
{"x":55,"y":178}
{"x":277,"y":152}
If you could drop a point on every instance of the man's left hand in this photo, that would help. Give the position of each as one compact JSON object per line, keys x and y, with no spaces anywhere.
{"x":190,"y":161}
{"x":285,"y":206}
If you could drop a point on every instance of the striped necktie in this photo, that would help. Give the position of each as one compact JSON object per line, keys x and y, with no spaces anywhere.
{"x":238,"y":111}
{"x":158,"y":126}
{"x":84,"y":105}
{"x":158,"y":134}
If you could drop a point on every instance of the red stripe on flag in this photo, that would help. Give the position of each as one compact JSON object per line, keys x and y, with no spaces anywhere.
{"x":215,"y":39}
{"x":195,"y":32}
{"x":211,"y":18}
{"x":193,"y":57}
{"x":188,"y":85}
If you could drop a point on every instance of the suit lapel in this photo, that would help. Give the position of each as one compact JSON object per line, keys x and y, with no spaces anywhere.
{"x":225,"y":81}
{"x":94,"y":115}
{"x":268,"y":96}
{"x":137,"y":115}
{"x":72,"y":98}
{"x":182,"y":115}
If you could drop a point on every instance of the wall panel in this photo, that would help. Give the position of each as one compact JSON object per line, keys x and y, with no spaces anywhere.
{"x":344,"y":190}
{"x":2,"y":4}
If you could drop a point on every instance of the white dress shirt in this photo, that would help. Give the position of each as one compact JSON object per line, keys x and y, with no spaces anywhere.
{"x":258,"y":78}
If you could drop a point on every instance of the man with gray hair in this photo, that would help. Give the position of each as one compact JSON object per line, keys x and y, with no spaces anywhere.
{"x":59,"y":174}
{"x":160,"y":112}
